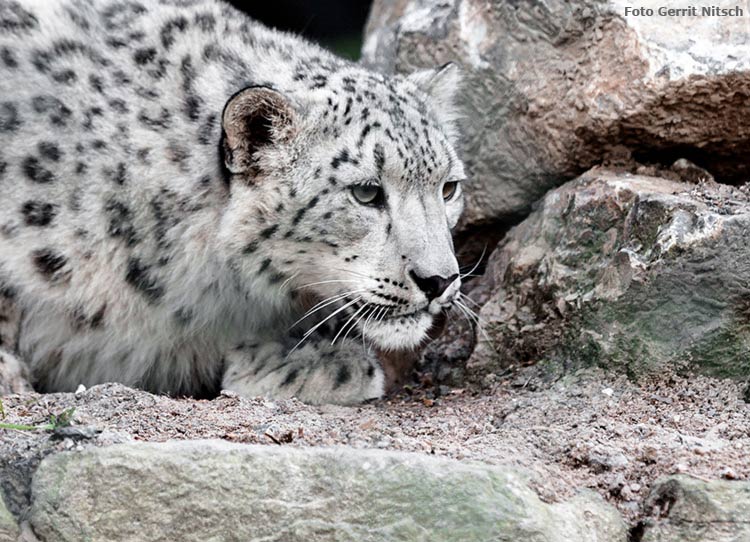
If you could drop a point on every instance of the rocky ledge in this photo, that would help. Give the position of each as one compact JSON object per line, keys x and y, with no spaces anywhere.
{"x":537,"y":456}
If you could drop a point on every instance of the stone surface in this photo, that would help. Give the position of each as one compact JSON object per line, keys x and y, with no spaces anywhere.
{"x":212,"y":490}
{"x":9,"y":531}
{"x":553,"y":88}
{"x":685,"y":509}
{"x":631,"y":273}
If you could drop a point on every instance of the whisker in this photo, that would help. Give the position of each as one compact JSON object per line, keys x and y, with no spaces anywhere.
{"x":325,"y":282}
{"x":465,"y":297}
{"x":352,"y":317}
{"x":326,"y":302}
{"x":382,"y":316}
{"x":475,"y":318}
{"x":311,"y":331}
{"x":290,"y":279}
{"x":481,"y":257}
{"x":355,"y":273}
{"x":474,"y":315}
{"x":355,"y":323}
{"x":364,"y":327}
{"x":471,"y":323}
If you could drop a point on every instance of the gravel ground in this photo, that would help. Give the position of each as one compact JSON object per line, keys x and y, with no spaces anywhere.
{"x":583,"y":430}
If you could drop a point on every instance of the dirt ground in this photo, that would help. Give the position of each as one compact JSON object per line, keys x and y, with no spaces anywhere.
{"x":584,"y":430}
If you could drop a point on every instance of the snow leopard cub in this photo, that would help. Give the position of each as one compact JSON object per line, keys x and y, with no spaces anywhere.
{"x":192,"y":201}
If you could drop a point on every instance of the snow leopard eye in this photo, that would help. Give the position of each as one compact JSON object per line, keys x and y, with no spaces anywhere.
{"x":449,"y":190}
{"x":368,"y":194}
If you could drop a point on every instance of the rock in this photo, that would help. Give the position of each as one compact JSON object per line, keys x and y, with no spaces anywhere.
{"x":553,"y":88}
{"x":626,"y":272}
{"x":203,"y":490}
{"x":685,"y":509}
{"x":9,"y":531}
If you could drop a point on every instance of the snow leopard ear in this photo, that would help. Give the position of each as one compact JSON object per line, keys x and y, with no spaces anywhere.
{"x":441,"y":84}
{"x":255,"y":118}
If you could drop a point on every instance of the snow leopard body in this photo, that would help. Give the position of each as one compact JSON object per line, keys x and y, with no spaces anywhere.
{"x":181,"y":185}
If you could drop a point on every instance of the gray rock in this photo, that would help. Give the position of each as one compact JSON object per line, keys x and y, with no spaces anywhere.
{"x":212,"y":490}
{"x":684,"y":509}
{"x":553,"y":88}
{"x":9,"y":531}
{"x":627,"y":272}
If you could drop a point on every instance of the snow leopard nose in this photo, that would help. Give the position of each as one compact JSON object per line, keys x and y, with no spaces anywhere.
{"x":433,"y":286}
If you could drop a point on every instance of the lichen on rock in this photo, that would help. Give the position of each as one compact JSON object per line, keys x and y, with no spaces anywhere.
{"x":627,"y":272}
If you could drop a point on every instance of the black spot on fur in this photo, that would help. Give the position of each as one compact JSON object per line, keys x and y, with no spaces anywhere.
{"x":119,"y":175}
{"x":13,"y":18}
{"x":264,"y":265}
{"x":118,"y":106}
{"x":342,"y":158}
{"x":120,"y":223}
{"x":207,"y":133}
{"x":205,"y":21}
{"x":38,"y":213}
{"x":34,"y":171}
{"x":183,"y":316}
{"x":379,"y":157}
{"x":139,"y":277}
{"x":8,"y":58}
{"x":250,"y":247}
{"x":7,"y":291}
{"x":9,"y":119}
{"x":58,"y":112}
{"x":268,"y":232}
{"x":343,"y":375}
{"x":301,"y":213}
{"x":96,"y":83}
{"x":192,"y":107}
{"x":49,"y":150}
{"x":144,"y":56}
{"x":290,"y":378}
{"x":178,"y":24}
{"x":158,"y":123}
{"x":48,"y":262}
{"x":65,"y":77}
{"x":81,"y":320}
{"x":89,"y":115}
{"x":122,"y":15}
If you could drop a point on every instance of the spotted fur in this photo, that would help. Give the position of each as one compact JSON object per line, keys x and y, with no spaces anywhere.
{"x":180,"y":186}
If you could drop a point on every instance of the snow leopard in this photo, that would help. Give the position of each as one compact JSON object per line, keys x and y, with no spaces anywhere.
{"x":192,"y":201}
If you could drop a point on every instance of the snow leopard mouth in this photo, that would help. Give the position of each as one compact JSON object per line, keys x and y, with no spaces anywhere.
{"x":399,"y":331}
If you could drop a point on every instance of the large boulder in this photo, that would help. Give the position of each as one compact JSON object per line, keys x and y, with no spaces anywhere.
{"x":213,"y":490}
{"x":553,"y":88}
{"x":685,"y":509}
{"x":624,"y":271}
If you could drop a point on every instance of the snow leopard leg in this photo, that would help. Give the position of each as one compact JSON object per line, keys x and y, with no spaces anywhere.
{"x":315,"y":373}
{"x":13,"y":372}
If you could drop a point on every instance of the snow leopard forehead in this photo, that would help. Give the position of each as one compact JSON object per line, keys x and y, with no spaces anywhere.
{"x":384,"y":125}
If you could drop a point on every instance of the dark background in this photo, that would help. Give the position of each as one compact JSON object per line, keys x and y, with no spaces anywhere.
{"x":336,"y":24}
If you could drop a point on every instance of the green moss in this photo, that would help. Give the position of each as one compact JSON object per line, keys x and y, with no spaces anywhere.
{"x":724,"y":354}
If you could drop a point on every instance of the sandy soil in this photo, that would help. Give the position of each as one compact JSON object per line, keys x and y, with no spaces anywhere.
{"x":584,"y":430}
